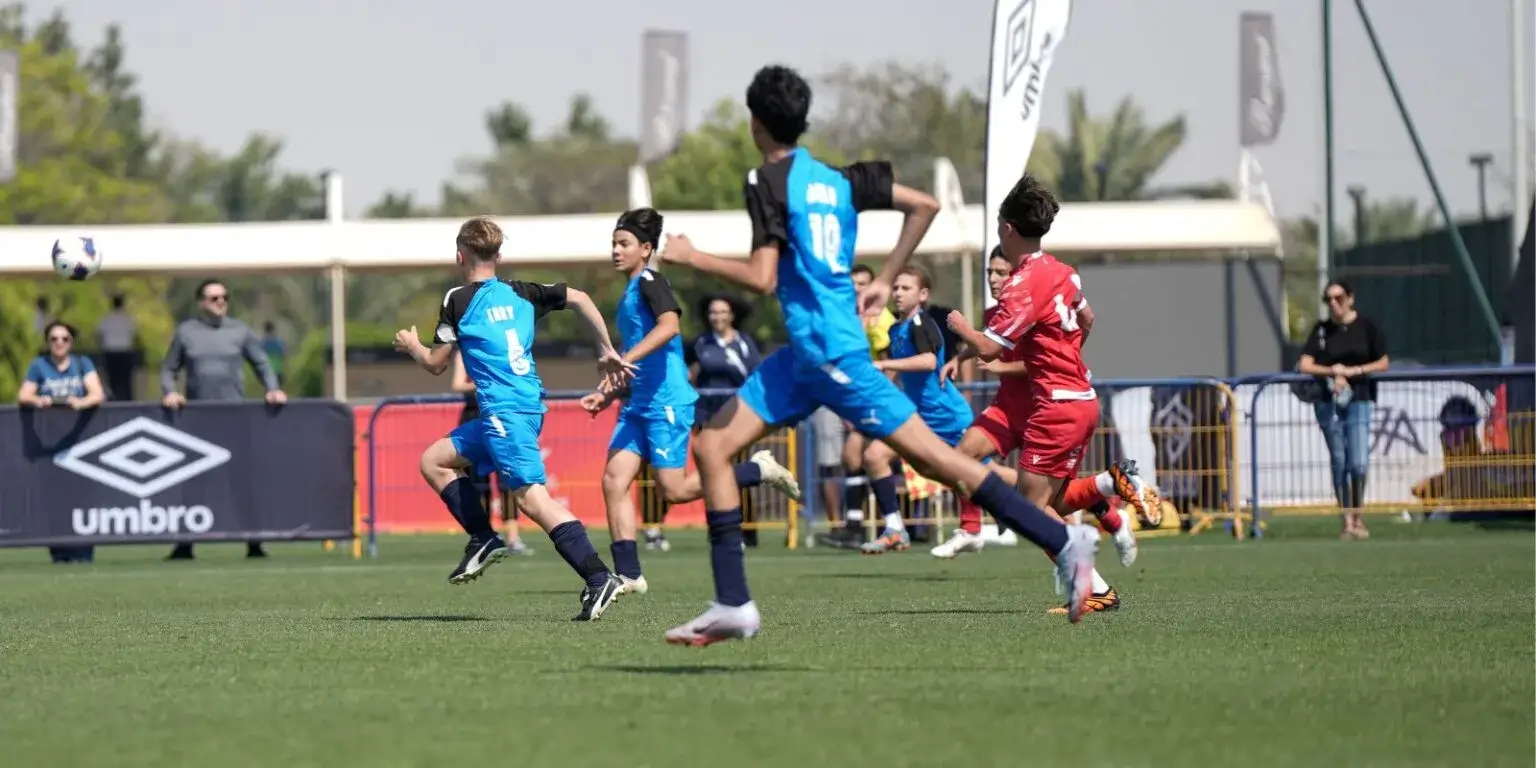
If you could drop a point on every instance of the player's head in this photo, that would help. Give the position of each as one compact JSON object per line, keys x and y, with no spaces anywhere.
{"x":862,"y":277}
{"x":1025,"y":217}
{"x":780,"y":102}
{"x":636,"y":236}
{"x":1340,"y":298}
{"x":910,"y":291}
{"x":998,"y":270}
{"x":479,"y":244}
{"x":213,"y":298}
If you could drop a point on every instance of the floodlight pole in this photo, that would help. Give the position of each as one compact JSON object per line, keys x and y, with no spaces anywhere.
{"x":1325,"y":232}
{"x":338,"y":274}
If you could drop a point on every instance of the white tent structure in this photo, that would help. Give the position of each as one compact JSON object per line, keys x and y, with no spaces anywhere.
{"x":337,"y":245}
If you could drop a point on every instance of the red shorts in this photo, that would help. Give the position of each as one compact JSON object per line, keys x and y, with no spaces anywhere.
{"x":1050,"y":433}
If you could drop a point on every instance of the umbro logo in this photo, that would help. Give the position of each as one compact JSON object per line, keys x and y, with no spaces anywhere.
{"x":142,"y":458}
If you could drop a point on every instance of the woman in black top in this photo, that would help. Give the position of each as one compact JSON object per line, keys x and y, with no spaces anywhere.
{"x":462,"y":383}
{"x":1345,"y":350}
{"x":721,"y":357}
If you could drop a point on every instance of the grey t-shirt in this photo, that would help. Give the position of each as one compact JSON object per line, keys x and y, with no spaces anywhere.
{"x":214,"y":355}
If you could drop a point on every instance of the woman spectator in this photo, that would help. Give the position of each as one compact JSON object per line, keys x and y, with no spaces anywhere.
{"x":59,"y":377}
{"x":722,"y":356}
{"x":471,"y":411}
{"x":1345,"y":349}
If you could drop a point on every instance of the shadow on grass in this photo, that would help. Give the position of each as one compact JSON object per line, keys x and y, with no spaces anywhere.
{"x":925,"y":577}
{"x":452,"y":618}
{"x":684,"y":670}
{"x":943,"y":612}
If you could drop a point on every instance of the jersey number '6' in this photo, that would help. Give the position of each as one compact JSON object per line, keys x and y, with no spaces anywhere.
{"x":827,"y":241}
{"x":517,"y":355}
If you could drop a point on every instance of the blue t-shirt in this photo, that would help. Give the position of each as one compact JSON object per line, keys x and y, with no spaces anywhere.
{"x":492,"y":322}
{"x":662,"y":378}
{"x":811,"y":210}
{"x":57,"y":384}
{"x":939,"y":404}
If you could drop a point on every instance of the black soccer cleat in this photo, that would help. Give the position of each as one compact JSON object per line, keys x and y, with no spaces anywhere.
{"x":478,"y":556}
{"x":595,"y":601}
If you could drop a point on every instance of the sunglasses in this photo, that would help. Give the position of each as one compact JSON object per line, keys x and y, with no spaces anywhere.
{"x":219,"y":299}
{"x":61,"y":338}
{"x":1335,"y":298}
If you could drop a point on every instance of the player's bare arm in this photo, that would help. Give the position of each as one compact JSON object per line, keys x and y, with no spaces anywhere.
{"x":434,"y":360}
{"x":608,"y":359}
{"x":668,"y":327}
{"x":919,"y":208}
{"x":985,"y":347}
{"x":918,"y":363}
{"x":759,"y":273}
{"x":1085,"y":319}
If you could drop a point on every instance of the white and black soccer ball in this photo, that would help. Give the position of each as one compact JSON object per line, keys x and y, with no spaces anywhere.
{"x":76,"y":257}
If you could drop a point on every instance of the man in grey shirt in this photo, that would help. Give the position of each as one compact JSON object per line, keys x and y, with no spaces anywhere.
{"x":213,"y":348}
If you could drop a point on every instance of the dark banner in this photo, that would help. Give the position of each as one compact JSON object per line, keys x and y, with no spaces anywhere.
{"x":136,"y":472}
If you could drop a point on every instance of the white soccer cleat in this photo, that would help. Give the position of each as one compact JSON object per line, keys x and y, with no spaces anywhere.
{"x":635,"y":586}
{"x":959,"y":543}
{"x":1125,"y":542}
{"x":998,"y":536}
{"x":776,"y":475}
{"x":718,"y":624}
{"x":1074,"y":569}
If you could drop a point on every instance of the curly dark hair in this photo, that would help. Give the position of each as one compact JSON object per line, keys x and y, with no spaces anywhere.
{"x":780,"y":99}
{"x":1029,"y":208}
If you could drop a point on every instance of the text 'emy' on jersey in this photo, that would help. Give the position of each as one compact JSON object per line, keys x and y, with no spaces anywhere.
{"x":493,"y":323}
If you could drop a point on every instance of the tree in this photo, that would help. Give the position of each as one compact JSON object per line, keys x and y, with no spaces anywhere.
{"x":396,"y":205}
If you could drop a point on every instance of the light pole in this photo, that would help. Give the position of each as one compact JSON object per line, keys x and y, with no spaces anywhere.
{"x":1480,"y":161}
{"x":1357,"y":194}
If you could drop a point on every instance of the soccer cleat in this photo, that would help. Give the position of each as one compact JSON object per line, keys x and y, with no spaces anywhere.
{"x":959,"y":543}
{"x":656,"y":542}
{"x":1109,"y":601}
{"x":842,"y":537}
{"x":595,"y":601}
{"x":890,"y":541}
{"x":718,"y":624}
{"x":635,"y":586}
{"x":1074,"y":569}
{"x":1125,"y":543}
{"x":776,"y":475}
{"x":1137,"y":492}
{"x":478,"y":556}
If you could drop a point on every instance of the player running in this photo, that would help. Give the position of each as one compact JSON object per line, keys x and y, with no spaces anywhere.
{"x":492,"y":322}
{"x":805,"y":221}
{"x":917,"y":347}
{"x":1090,"y":493}
{"x":1051,"y":415}
{"x":657,"y":418}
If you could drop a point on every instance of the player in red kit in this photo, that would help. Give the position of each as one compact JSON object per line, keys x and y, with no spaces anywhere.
{"x":1048,"y":410}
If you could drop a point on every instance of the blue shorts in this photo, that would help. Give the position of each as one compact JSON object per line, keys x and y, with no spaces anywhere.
{"x":507,"y":443}
{"x":658,"y":434}
{"x":781,"y":391}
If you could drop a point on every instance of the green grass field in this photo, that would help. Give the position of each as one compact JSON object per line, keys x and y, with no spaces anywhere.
{"x":1412,"y":648}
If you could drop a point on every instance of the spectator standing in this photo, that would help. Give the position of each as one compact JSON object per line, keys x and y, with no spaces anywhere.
{"x":116,"y":336}
{"x":1345,"y":349}
{"x":59,"y":377}
{"x":212,"y":347}
{"x":722,"y":356}
{"x":277,"y":351}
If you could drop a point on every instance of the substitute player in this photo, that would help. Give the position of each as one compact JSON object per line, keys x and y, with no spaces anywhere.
{"x":1038,"y":314}
{"x":805,"y":221}
{"x":657,"y":418}
{"x":491,"y":321}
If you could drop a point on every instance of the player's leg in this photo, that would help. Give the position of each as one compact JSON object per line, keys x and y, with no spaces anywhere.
{"x":770,"y":397}
{"x":855,"y":492}
{"x":668,"y":440}
{"x":878,"y":459}
{"x":512,"y":441}
{"x":990,"y":434}
{"x":626,"y":451}
{"x":1120,"y":481}
{"x":449,"y":466}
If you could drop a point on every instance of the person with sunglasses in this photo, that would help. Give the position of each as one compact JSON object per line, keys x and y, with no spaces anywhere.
{"x":212,"y":347}
{"x":1345,"y":349}
{"x":56,"y":378}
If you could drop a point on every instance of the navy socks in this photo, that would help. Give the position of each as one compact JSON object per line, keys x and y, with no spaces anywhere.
{"x":726,"y":558}
{"x":570,"y":540}
{"x":463,"y":501}
{"x":884,"y":490}
{"x":748,"y":475}
{"x":626,"y":558}
{"x":1014,"y":511}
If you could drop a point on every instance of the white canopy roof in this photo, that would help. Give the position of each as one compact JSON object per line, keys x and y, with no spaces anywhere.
{"x":1214,"y":226}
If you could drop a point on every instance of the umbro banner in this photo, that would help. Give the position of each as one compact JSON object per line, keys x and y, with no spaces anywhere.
{"x":135,"y":472}
{"x":1025,"y":34}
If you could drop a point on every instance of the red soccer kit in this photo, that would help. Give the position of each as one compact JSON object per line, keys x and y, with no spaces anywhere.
{"x":1052,"y":411}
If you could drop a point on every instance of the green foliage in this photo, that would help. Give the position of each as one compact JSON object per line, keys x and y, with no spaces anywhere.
{"x":309,"y":361}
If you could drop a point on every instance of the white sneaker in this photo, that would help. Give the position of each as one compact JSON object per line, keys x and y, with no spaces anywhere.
{"x":959,"y":543}
{"x":1074,"y":568}
{"x":635,"y":586}
{"x":718,"y":624}
{"x":999,"y":536}
{"x":1125,"y":543}
{"x":775,"y":475}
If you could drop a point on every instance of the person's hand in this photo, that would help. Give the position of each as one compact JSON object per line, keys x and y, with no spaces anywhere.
{"x":956,"y":321}
{"x":1337,"y":370}
{"x":595,"y":403}
{"x":277,"y":397}
{"x":1340,"y":383}
{"x":44,"y":401}
{"x":614,"y":368}
{"x":77,"y":403}
{"x":874,"y":298}
{"x":948,"y":371}
{"x":407,"y":341}
{"x":677,"y":250}
{"x":173,"y":400}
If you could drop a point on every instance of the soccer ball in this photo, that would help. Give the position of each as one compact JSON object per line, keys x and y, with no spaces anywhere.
{"x":76,"y":257}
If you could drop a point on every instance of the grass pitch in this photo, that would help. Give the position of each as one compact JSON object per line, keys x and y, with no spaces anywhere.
{"x":1415,"y":647}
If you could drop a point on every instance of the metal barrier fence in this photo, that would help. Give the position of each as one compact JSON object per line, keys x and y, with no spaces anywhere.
{"x":1220,"y":452}
{"x":1434,"y":440}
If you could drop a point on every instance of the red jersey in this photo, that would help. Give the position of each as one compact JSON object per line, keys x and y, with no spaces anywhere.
{"x":1035,"y":319}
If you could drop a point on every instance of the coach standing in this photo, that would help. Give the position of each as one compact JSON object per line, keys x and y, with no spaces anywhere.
{"x":213,"y":347}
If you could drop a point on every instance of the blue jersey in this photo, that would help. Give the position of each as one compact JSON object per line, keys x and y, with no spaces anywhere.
{"x":56,"y":384}
{"x":492,"y":322}
{"x":662,"y":380}
{"x":940,"y":405}
{"x":811,"y":210}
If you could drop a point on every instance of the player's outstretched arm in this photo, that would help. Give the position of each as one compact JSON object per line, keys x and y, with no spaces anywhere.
{"x":984,"y":347}
{"x":919,"y":208}
{"x":608,"y":359}
{"x":918,"y":363}
{"x":759,"y":273}
{"x":434,"y":360}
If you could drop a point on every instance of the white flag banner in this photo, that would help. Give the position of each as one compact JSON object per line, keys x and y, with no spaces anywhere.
{"x":1025,"y":34}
